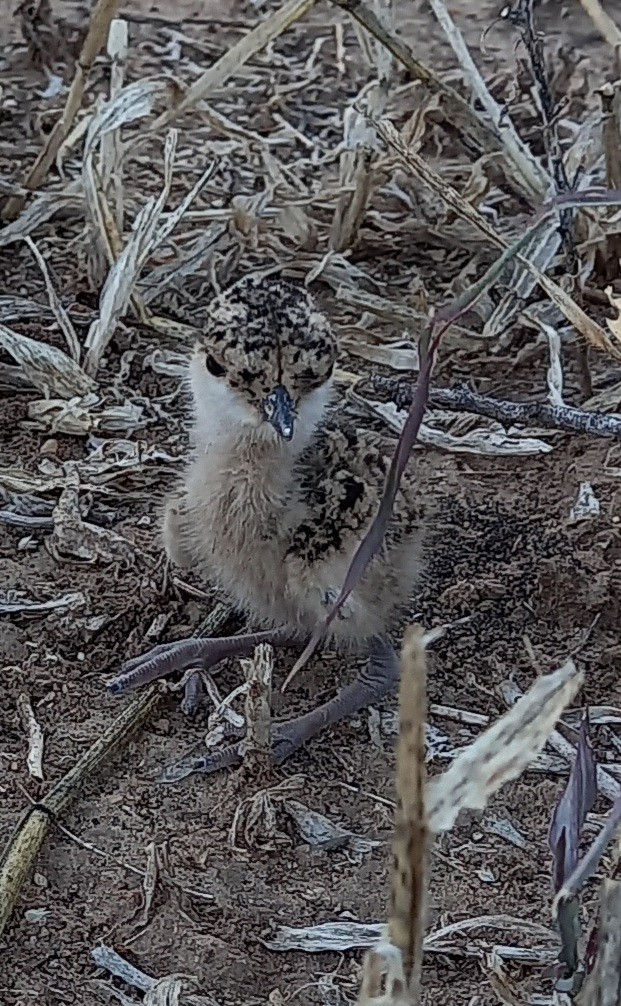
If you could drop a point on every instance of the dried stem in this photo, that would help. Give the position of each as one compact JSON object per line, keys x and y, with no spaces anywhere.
{"x":527,"y":178}
{"x":391,"y":970}
{"x":99,"y":26}
{"x":606,"y":27}
{"x":23,"y":848}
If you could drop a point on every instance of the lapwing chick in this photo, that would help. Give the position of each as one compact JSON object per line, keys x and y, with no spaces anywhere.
{"x":279,"y":491}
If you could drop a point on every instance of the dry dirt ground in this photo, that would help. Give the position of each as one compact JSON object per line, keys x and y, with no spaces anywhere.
{"x":537,"y":588}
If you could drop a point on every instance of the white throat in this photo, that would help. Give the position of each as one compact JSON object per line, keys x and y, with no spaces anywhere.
{"x":222,"y":418}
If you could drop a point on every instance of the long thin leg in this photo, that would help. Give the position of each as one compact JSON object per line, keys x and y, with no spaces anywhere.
{"x":376,"y":680}
{"x":193,"y":652}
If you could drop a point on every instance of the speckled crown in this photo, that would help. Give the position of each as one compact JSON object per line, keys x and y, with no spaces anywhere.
{"x":261,"y":333}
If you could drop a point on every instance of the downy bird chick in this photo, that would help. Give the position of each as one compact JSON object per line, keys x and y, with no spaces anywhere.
{"x":279,"y":493}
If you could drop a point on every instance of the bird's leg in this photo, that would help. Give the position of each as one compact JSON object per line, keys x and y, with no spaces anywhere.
{"x":378,"y":678}
{"x":193,"y":652}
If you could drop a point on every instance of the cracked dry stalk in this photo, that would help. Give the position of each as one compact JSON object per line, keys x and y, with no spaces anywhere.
{"x":258,"y":672}
{"x":391,"y":969}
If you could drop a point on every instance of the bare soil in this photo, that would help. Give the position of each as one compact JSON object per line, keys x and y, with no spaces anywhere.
{"x":537,"y":587}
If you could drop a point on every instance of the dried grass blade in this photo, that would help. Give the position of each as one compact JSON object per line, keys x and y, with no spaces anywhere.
{"x":235,"y":57}
{"x":62,"y":318}
{"x":504,"y":750}
{"x":123,"y":275}
{"x":48,"y":368}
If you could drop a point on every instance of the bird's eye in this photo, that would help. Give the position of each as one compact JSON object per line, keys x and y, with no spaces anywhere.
{"x":214,"y":368}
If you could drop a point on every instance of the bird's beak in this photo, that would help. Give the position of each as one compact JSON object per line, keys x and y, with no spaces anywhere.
{"x":279,"y":410}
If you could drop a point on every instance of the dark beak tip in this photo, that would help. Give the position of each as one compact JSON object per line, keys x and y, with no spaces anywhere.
{"x":282,"y":413}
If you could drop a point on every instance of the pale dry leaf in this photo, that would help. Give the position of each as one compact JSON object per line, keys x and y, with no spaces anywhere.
{"x":34,"y":758}
{"x":255,"y":816}
{"x":586,"y":506}
{"x":48,"y":368}
{"x":504,"y":750}
{"x":327,"y":937}
{"x":382,"y":307}
{"x":254,"y":821}
{"x":607,"y":400}
{"x":135,"y":101}
{"x":198,"y":254}
{"x":124,"y":273}
{"x":109,"y":960}
{"x":42,"y":208}
{"x":337,"y":937}
{"x":18,"y":308}
{"x":74,"y":538}
{"x":317,"y":830}
{"x":12,"y":601}
{"x":400,"y":355}
{"x":165,"y":992}
{"x":36,"y":914}
{"x":80,"y":416}
{"x":166,"y":362}
{"x":16,"y":480}
{"x":62,"y":318}
{"x":223,"y":714}
{"x":521,"y":282}
{"x":491,"y":439}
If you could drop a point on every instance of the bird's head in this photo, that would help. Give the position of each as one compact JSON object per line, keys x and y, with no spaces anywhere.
{"x":264,"y":361}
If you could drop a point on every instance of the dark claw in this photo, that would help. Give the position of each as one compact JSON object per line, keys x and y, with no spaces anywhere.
{"x":193,"y":694}
{"x":285,"y":740}
{"x":207,"y":762}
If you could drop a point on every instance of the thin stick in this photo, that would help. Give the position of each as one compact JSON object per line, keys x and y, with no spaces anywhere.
{"x":462,"y":399}
{"x":23,"y":848}
{"x":605,"y":26}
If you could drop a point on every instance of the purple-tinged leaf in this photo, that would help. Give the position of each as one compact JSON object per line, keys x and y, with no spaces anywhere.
{"x":572,"y":808}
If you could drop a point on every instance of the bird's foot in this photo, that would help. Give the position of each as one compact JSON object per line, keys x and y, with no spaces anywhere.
{"x":376,"y":680}
{"x":286,"y":738}
{"x":194,"y":652}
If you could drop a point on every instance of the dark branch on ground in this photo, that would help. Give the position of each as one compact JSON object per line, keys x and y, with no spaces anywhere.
{"x":462,"y":399}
